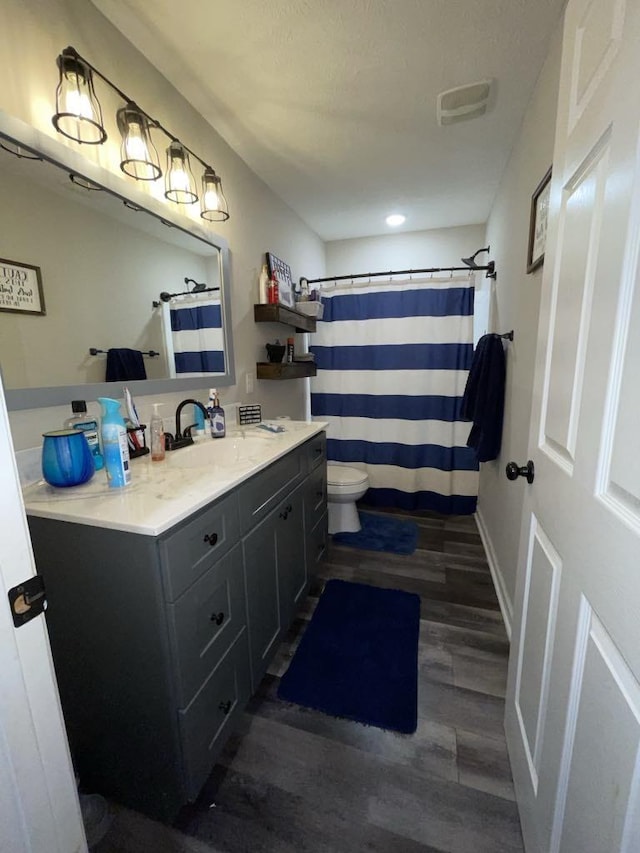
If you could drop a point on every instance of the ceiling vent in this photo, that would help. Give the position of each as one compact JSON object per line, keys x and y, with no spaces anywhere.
{"x":463,"y":102}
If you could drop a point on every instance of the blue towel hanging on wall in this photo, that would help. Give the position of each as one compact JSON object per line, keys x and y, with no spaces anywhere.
{"x":483,"y":398}
{"x":125,"y":364}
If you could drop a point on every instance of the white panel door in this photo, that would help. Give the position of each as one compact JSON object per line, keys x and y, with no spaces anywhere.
{"x":573,"y":701}
{"x":39,"y":809}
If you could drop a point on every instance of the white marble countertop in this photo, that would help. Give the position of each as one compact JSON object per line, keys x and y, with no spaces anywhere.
{"x":163,"y":493}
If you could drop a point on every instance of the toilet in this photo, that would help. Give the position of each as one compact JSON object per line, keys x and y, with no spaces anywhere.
{"x":345,"y":486}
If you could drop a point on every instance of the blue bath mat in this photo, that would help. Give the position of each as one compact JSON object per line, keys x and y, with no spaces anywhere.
{"x":358,"y":658}
{"x":382,"y":533}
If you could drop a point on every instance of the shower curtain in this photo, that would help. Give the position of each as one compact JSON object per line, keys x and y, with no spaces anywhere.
{"x":392,"y":362}
{"x":193,"y":335}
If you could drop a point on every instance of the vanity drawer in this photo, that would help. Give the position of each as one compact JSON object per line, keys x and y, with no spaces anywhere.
{"x":316,"y":545}
{"x":206,"y":722}
{"x":259,"y":495}
{"x":205,"y":620}
{"x":191,"y":550}
{"x":315,"y":451}
{"x":315,"y":497}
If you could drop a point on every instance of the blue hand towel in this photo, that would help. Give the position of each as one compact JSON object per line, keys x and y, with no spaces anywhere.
{"x":483,"y":399}
{"x":125,"y":364}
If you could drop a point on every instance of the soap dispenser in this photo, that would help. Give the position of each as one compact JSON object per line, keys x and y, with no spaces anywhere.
{"x":157,"y":435}
{"x":216,"y":415}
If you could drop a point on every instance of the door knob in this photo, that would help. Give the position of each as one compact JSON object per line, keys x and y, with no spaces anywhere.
{"x":528,"y":471}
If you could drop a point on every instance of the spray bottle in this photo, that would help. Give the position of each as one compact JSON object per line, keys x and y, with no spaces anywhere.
{"x":115,"y":447}
{"x":156,"y":427}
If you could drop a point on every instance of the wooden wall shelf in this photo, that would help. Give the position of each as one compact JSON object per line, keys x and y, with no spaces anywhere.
{"x":285,"y":369}
{"x":282,"y":314}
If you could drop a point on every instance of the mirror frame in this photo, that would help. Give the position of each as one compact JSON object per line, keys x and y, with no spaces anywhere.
{"x":19,"y":133}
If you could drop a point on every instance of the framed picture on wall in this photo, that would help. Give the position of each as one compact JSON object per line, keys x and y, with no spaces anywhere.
{"x":538,"y":223}
{"x":20,"y":288}
{"x":285,"y":283}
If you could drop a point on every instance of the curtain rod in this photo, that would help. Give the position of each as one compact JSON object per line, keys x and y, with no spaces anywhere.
{"x":490,"y":268}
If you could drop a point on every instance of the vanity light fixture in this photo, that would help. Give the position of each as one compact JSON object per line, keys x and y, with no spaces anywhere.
{"x":179,"y":185}
{"x":78,"y":113}
{"x":79,"y":117}
{"x":214,"y":204}
{"x":139,"y":155}
{"x":395,"y":219}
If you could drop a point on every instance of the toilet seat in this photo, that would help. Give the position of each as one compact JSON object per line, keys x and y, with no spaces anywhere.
{"x":343,"y":475}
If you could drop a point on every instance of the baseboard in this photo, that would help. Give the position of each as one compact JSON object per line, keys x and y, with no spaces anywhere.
{"x":506,"y":605}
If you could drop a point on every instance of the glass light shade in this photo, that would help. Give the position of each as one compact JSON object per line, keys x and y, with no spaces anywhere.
{"x":78,"y":112}
{"x":139,"y":156}
{"x":180,"y":185}
{"x":214,"y":204}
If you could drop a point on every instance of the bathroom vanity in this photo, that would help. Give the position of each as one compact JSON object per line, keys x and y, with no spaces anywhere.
{"x":167,"y":601}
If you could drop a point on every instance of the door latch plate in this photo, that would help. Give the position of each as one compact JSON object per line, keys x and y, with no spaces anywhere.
{"x":27,"y":600}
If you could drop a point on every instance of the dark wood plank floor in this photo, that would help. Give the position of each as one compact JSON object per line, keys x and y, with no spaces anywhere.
{"x":297,"y":780}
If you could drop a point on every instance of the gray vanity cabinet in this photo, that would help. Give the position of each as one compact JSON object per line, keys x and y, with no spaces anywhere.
{"x":158,"y":641}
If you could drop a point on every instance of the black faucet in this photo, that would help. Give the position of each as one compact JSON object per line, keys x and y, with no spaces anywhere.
{"x":180,"y":439}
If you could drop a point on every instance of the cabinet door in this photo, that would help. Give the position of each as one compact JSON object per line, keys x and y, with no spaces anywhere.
{"x":292,"y":569}
{"x":263,"y":605}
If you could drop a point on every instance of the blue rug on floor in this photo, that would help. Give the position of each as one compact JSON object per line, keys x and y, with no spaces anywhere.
{"x":358,"y":657}
{"x":382,"y":533}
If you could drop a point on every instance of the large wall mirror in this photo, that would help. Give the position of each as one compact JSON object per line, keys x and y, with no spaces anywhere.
{"x":105,"y":254}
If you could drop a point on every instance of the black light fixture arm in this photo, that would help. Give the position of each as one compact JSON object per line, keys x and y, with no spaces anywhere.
{"x":153,"y":122}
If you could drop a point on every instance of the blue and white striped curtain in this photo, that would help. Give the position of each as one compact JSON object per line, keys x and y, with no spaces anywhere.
{"x":193,"y":335}
{"x":392,"y":363}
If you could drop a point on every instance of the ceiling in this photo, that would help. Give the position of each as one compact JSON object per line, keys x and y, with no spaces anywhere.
{"x":333,"y":102}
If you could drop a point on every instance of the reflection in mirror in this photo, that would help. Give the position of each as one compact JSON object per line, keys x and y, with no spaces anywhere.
{"x":104,"y":265}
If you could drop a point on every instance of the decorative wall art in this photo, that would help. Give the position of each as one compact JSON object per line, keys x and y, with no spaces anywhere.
{"x":538,"y":223}
{"x":20,"y":288}
{"x":285,"y":283}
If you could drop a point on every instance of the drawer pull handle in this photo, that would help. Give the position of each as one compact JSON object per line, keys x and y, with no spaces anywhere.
{"x":225,"y":707}
{"x":286,"y":512}
{"x":320,"y":493}
{"x":211,"y":538}
{"x":218,"y":618}
{"x":318,"y":451}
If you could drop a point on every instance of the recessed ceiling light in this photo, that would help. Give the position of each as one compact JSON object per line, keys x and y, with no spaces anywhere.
{"x":395,"y":219}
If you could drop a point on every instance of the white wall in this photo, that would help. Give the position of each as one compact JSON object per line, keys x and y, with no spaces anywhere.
{"x":406,"y":250}
{"x":515,"y":306}
{"x":34,"y":32}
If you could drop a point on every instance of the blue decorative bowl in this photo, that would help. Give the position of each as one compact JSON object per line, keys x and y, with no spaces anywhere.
{"x":66,"y":458}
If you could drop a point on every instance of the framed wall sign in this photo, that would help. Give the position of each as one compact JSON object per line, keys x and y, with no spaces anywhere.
{"x":20,"y":288}
{"x":283,"y":274}
{"x":538,"y":223}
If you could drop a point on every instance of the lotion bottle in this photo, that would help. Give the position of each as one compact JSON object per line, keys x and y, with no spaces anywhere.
{"x":216,"y":415}
{"x":263,"y":286}
{"x":114,"y":444}
{"x":157,"y":435}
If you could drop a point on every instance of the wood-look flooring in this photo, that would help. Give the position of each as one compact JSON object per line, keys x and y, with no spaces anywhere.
{"x":296,"y":780}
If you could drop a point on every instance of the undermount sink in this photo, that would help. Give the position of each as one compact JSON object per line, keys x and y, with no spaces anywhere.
{"x":223,"y":452}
